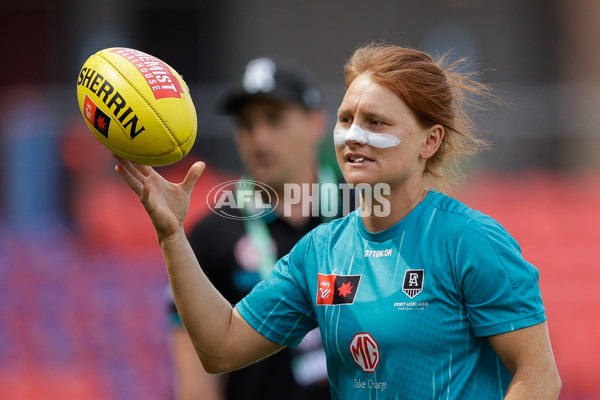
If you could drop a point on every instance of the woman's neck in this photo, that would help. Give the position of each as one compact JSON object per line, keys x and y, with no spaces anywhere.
{"x":383,"y":209}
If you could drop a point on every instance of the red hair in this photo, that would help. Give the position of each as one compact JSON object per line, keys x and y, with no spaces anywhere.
{"x":436,"y":93}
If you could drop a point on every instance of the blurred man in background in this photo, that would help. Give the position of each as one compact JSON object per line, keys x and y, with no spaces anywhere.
{"x":279,"y":126}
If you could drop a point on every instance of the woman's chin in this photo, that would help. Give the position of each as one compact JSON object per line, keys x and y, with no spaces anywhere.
{"x":354,"y":178}
{"x":362,"y":182}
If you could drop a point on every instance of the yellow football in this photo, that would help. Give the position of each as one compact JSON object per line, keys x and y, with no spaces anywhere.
{"x":137,"y":106}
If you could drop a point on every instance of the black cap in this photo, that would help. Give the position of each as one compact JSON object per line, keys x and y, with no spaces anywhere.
{"x":279,"y":80}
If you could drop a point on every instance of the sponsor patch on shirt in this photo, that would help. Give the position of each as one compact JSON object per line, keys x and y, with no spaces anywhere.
{"x":365,"y":352}
{"x":337,"y":289}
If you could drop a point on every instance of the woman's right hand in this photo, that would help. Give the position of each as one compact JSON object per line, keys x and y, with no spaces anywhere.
{"x":223,"y":340}
{"x":165,"y":202}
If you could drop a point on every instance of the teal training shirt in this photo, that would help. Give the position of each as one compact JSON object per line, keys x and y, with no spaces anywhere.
{"x":403,"y":313}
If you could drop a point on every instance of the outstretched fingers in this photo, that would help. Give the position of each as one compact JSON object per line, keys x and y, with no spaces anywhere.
{"x":135,"y":174}
{"x":132,"y":174}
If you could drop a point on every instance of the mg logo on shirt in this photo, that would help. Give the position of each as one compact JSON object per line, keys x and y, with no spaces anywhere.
{"x":365,"y":351}
{"x":413,"y":282}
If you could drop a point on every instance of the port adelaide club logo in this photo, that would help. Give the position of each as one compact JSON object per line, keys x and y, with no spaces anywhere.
{"x":413,"y":282}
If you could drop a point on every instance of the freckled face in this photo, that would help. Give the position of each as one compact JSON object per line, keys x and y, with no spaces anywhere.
{"x":377,"y":109}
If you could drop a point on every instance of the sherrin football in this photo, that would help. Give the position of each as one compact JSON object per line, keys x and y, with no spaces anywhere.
{"x":137,"y":106}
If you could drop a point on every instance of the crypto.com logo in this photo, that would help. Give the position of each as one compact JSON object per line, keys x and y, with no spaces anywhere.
{"x":242,"y":199}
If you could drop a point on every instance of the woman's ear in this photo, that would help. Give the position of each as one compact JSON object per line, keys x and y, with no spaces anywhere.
{"x":433,"y":140}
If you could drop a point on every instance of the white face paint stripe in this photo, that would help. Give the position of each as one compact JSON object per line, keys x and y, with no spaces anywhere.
{"x":356,"y":133}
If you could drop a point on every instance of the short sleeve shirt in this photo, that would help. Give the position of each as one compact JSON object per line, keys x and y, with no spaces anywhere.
{"x":404,"y":313}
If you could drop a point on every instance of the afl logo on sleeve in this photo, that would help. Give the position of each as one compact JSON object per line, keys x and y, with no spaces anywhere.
{"x":337,"y":289}
{"x":413,"y":282}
